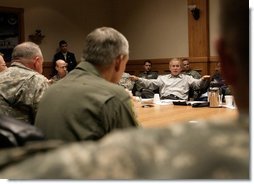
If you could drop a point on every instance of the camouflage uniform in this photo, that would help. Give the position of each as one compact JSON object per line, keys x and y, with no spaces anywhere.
{"x":84,"y":106}
{"x":21,"y":89}
{"x":204,"y":150}
{"x":55,"y":78}
{"x":194,"y":74}
{"x":126,"y":82}
{"x":193,"y":92}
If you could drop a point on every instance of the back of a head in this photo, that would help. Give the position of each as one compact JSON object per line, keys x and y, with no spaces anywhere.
{"x":25,"y":50}
{"x":103,"y":45}
{"x":234,"y":25}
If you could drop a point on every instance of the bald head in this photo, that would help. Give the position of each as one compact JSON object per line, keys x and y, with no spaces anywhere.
{"x":61,"y":68}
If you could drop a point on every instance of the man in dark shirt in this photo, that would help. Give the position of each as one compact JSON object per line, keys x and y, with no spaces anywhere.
{"x":65,"y":55}
{"x":147,"y":74}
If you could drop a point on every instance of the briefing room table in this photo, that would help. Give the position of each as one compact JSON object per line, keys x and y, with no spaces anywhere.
{"x":163,"y":115}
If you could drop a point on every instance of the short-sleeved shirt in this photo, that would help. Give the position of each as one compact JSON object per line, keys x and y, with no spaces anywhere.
{"x":21,"y":89}
{"x":84,"y":106}
{"x":172,"y":85}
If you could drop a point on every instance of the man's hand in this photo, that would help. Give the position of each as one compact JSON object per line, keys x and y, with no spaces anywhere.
{"x":206,"y":77}
{"x":133,"y":78}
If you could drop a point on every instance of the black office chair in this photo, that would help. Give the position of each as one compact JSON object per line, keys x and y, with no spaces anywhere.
{"x":14,"y":133}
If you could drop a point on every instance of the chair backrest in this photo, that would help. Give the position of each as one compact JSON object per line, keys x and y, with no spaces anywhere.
{"x":15,"y":133}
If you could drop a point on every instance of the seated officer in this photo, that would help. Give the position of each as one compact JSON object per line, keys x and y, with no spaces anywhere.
{"x":218,"y":81}
{"x":87,"y":104}
{"x":147,"y":74}
{"x":195,"y":94}
{"x":61,"y":68}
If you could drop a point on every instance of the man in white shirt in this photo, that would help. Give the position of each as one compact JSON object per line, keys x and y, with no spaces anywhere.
{"x":174,"y":85}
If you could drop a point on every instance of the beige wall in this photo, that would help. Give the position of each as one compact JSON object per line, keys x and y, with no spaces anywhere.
{"x":155,"y":29}
{"x":60,"y":19}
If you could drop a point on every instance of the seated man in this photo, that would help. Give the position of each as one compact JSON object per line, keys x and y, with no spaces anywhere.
{"x":218,"y":81}
{"x":174,"y":85}
{"x":188,"y":71}
{"x":61,"y":68}
{"x":195,"y":94}
{"x":22,"y":85}
{"x":147,"y":74}
{"x":88,"y":104}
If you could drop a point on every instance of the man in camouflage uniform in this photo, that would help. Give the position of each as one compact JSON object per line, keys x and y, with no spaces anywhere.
{"x":194,"y":93}
{"x":22,"y":85}
{"x":206,"y":150}
{"x":61,"y":68}
{"x":126,"y":82}
{"x":188,"y":71}
{"x":87,"y":103}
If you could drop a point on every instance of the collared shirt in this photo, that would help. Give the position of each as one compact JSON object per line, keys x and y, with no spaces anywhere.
{"x":21,"y":89}
{"x":169,"y":84}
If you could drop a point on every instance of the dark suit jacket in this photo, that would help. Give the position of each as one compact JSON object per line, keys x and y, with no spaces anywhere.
{"x":70,"y":59}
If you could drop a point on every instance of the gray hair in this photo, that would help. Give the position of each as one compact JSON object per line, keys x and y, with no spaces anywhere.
{"x":103,"y":45}
{"x":234,"y":27}
{"x":26,"y":50}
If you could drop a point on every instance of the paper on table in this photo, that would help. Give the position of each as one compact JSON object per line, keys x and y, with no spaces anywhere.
{"x":168,"y":102}
{"x":229,"y":106}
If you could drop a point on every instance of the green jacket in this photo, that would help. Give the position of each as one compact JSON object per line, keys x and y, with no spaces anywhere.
{"x":84,"y":106}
